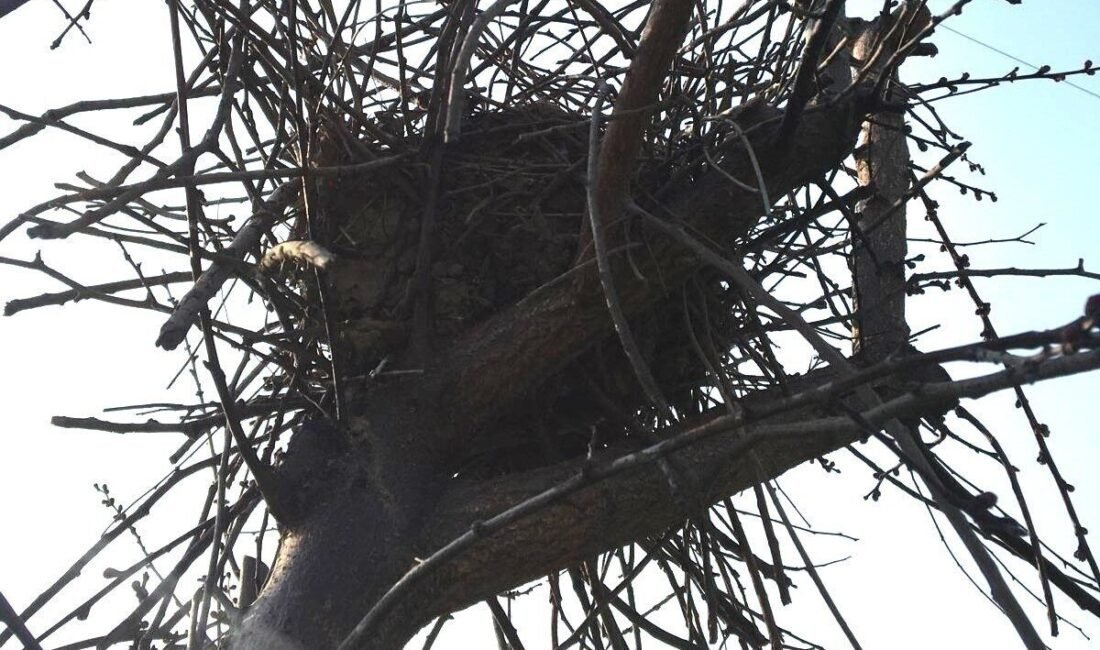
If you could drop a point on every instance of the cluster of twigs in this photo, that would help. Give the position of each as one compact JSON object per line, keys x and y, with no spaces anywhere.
{"x":332,"y":124}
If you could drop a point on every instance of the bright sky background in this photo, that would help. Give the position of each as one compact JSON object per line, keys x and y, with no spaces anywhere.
{"x":1039,"y":142}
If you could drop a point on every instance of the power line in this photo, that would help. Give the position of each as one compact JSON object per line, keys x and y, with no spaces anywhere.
{"x":1016,"y":59}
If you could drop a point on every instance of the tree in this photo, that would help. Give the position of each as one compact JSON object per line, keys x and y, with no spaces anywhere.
{"x":534,"y":279}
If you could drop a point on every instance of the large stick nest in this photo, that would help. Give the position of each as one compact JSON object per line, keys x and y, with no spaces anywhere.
{"x":510,"y":207}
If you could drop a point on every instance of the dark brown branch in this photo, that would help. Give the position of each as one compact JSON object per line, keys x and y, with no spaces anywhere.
{"x":11,"y":619}
{"x":61,"y":297}
{"x":622,"y":142}
{"x":802,"y":91}
{"x":126,"y":150}
{"x":190,"y":428}
{"x":247,"y":239}
{"x":624,"y":499}
{"x":55,"y":115}
{"x":8,"y":6}
{"x":1073,"y":271}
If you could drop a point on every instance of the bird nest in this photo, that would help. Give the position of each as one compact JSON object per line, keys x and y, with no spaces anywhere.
{"x":506,"y":220}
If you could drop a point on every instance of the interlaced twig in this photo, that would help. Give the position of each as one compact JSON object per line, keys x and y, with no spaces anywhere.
{"x":431,"y":160}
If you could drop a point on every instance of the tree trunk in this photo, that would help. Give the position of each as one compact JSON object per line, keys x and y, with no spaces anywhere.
{"x":879,"y":237}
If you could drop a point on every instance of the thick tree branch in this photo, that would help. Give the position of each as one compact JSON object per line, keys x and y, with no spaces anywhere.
{"x":186,"y":314}
{"x":878,"y":259}
{"x":663,"y":33}
{"x":8,"y":6}
{"x":627,"y":499}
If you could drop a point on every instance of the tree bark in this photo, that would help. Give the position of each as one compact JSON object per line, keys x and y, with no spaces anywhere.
{"x":879,"y":237}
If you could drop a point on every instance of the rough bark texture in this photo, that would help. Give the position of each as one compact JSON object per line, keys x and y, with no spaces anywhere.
{"x":614,"y":512}
{"x":882,"y":161}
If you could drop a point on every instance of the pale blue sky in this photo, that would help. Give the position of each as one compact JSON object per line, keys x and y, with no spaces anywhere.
{"x":1039,"y":142}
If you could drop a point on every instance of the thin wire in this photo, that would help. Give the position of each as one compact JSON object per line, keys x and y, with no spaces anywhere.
{"x":1016,"y":59}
